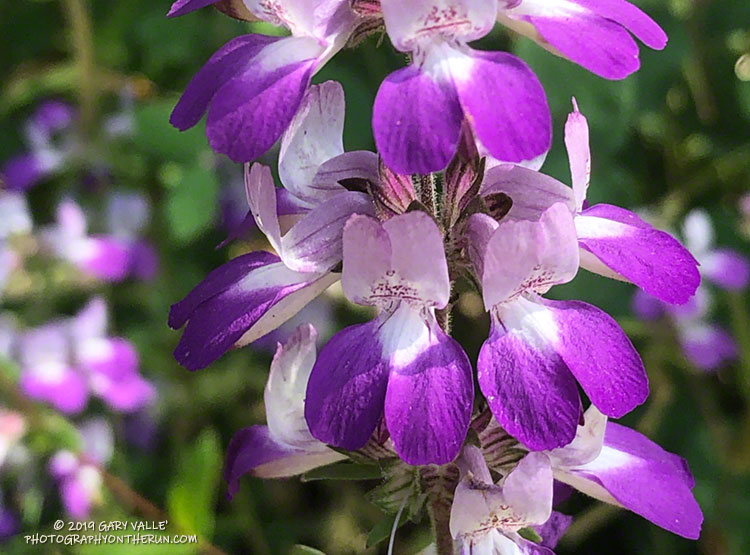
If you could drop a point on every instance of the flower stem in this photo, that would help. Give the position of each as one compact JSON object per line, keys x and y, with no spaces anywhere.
{"x":439,"y":482}
{"x":83,"y":52}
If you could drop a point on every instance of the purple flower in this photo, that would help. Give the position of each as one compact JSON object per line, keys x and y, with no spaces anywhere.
{"x":538,"y":348}
{"x":725,"y":268}
{"x":618,"y":465}
{"x":485,"y":518}
{"x":62,"y":362}
{"x":253,"y":294}
{"x":99,"y":256}
{"x":401,"y":365}
{"x":128,"y":214}
{"x":595,"y":34}
{"x":613,"y":242}
{"x":26,"y":170}
{"x":253,"y":86}
{"x":78,"y":477}
{"x":419,"y":110}
{"x":285,"y":446}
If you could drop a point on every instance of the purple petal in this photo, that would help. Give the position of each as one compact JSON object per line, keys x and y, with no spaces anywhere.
{"x":652,"y":259}
{"x":600,"y":356}
{"x":216,"y":282}
{"x":727,"y":269}
{"x":104,"y":258}
{"x":75,"y":497}
{"x":416,"y":121}
{"x":347,"y":387}
{"x":631,"y":17}
{"x":144,"y":261}
{"x":22,"y":172}
{"x":506,"y":105}
{"x":645,"y":306}
{"x":314,"y":244}
{"x":113,"y":357}
{"x":532,"y":192}
{"x":181,"y":7}
{"x":239,"y":302}
{"x":253,"y":451}
{"x":61,"y":386}
{"x":528,"y":386}
{"x":644,"y":478}
{"x":554,"y":529}
{"x":251,"y":110}
{"x":707,"y":346}
{"x":125,"y":395}
{"x":429,"y":398}
{"x":596,"y":43}
{"x":229,"y":61}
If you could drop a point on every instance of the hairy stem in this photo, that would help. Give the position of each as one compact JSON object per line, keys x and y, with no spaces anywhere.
{"x":439,"y":482}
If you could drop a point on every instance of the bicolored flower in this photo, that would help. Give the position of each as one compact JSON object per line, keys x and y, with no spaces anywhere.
{"x":62,"y":362}
{"x":620,"y":466}
{"x":401,"y":366}
{"x":703,"y":342}
{"x":45,"y":155}
{"x":78,"y":477}
{"x":253,"y":294}
{"x":486,"y":517}
{"x":284,"y":447}
{"x":419,"y":109}
{"x":613,"y":242}
{"x":99,"y":256}
{"x":595,"y":34}
{"x":724,"y":267}
{"x":253,"y":86}
{"x":538,"y":349}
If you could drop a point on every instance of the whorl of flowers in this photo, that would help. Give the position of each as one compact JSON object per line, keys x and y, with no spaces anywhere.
{"x":452,"y":196}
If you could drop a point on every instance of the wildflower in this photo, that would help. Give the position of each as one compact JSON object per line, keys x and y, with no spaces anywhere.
{"x":613,"y":242}
{"x":486,"y":517}
{"x":619,"y":466}
{"x":253,"y":86}
{"x":538,"y":348}
{"x":591,"y":33}
{"x":401,"y":365}
{"x":255,"y":293}
{"x":284,"y":447}
{"x":419,"y":110}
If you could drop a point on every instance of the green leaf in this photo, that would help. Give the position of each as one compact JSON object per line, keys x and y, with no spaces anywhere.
{"x":192,"y":495}
{"x":343,"y":471}
{"x":300,"y":549}
{"x":382,"y":530}
{"x":191,"y":205}
{"x":530,"y":534}
{"x":154,"y":135}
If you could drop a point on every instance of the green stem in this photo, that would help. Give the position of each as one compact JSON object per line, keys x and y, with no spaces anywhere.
{"x":83,"y":52}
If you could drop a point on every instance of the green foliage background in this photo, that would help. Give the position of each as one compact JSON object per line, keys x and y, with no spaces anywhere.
{"x":674,"y":136}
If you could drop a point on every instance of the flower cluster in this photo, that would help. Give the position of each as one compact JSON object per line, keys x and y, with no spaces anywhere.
{"x":453,"y":198}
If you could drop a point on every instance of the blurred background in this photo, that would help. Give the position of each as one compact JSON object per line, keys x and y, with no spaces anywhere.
{"x":109,"y":215}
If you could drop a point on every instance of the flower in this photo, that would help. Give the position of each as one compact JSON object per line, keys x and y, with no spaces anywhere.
{"x":613,"y":242}
{"x":45,"y":155}
{"x":595,"y":34}
{"x":253,"y":86}
{"x":618,"y":465}
{"x":485,"y":518}
{"x":62,"y":362}
{"x":401,"y":365}
{"x":419,"y":110}
{"x":79,"y":477}
{"x":538,"y":348}
{"x":284,"y":447}
{"x":255,"y":293}
{"x":724,"y":267}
